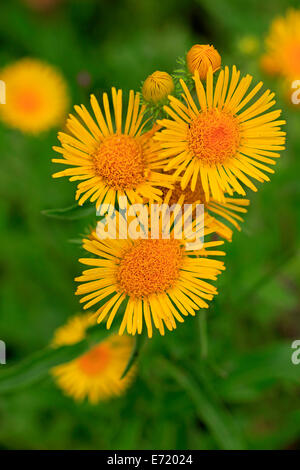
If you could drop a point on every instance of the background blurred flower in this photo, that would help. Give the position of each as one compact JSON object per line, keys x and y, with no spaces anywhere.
{"x":157,"y":86}
{"x":201,"y":57}
{"x":269,"y":65}
{"x":95,"y":375}
{"x":283,"y":46}
{"x":36,"y":96}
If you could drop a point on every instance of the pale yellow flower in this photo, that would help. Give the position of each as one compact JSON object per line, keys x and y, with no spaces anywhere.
{"x":36,"y":96}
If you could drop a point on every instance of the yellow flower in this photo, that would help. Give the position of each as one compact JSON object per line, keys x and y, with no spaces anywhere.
{"x":110,"y":160}
{"x":283,"y":46}
{"x":150,"y":279}
{"x":228,"y":210}
{"x":201,"y":57}
{"x":36,"y":96}
{"x":96,"y":374}
{"x":157,"y":86}
{"x":221,"y":142}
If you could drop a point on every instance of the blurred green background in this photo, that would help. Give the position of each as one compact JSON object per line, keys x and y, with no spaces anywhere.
{"x":246,"y":392}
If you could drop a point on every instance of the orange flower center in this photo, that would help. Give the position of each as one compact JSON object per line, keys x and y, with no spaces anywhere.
{"x":119,"y":161}
{"x":28,"y":101}
{"x":95,"y":360}
{"x":150,"y":267}
{"x":214,"y":136}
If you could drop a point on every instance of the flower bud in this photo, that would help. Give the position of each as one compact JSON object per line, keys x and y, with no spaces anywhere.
{"x":157,"y":86}
{"x":201,"y":57}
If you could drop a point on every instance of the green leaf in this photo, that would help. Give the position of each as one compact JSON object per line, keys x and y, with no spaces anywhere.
{"x":73,"y":212}
{"x":37,"y":366}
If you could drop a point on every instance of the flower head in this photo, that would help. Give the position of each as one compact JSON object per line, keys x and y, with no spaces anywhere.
{"x":96,"y":374}
{"x":36,"y":96}
{"x":219,"y":141}
{"x":157,"y":86}
{"x":152,"y":279}
{"x":109,"y":158}
{"x":201,"y":57}
{"x":283,"y":46}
